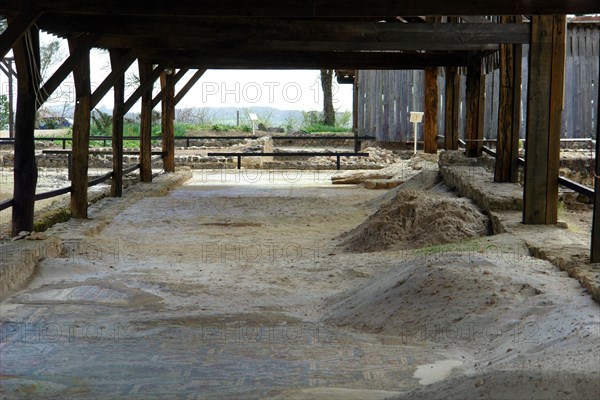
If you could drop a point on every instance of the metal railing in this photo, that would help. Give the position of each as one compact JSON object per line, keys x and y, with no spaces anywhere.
{"x":93,"y":182}
{"x":106,"y":139}
{"x":562,"y":180}
{"x":338,"y":155}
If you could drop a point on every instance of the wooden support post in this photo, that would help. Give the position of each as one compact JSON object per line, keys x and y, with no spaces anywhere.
{"x":189,"y":84}
{"x":431,"y":110}
{"x":79,"y":50}
{"x":509,"y":110}
{"x":25,"y":168}
{"x":544,"y":113}
{"x":81,"y":133}
{"x":17,"y":27}
{"x":432,"y":96}
{"x":452,"y":109}
{"x":158,"y":98}
{"x":11,"y":117}
{"x":146,"y":123}
{"x":355,"y":112}
{"x":475,"y":109}
{"x":116,"y":60}
{"x":595,"y":254}
{"x":145,"y":85}
{"x":125,"y":59}
{"x":167,"y":82}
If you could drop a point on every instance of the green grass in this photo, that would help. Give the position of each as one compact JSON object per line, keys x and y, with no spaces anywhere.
{"x":320,"y":128}
{"x":561,"y":209}
{"x":477,"y":245}
{"x":133,"y":130}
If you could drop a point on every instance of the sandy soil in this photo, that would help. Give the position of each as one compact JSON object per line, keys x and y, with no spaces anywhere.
{"x":414,"y":219}
{"x":49,"y":179}
{"x":467,"y":320}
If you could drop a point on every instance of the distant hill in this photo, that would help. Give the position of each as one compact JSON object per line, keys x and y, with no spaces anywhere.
{"x":228,"y":115}
{"x":215,"y":115}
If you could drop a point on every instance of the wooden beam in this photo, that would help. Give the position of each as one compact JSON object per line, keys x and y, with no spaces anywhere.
{"x":167,"y":82}
{"x":452,"y":108}
{"x":146,"y":81}
{"x":82,"y":49}
{"x":544,"y":111}
{"x":475,"y":109}
{"x":355,"y":104}
{"x":145,"y":84}
{"x":305,"y":60}
{"x":509,"y":111}
{"x":81,"y":132}
{"x":595,"y":253}
{"x":11,"y":118}
{"x":159,"y":97}
{"x":6,"y":67}
{"x":17,"y":26}
{"x":431,"y":110}
{"x":307,"y":9}
{"x":118,"y":60}
{"x":25,"y":168}
{"x":194,"y":32}
{"x":249,"y":45}
{"x":189,"y":85}
{"x":125,"y":59}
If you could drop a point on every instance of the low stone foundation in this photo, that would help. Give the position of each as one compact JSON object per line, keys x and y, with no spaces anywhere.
{"x":504,"y":202}
{"x":472,"y":178}
{"x":20,"y":259}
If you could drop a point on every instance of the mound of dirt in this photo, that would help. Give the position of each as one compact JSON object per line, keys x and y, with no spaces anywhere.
{"x":440,"y":292}
{"x":470,"y":296}
{"x":415,"y":219}
{"x":514,"y":384}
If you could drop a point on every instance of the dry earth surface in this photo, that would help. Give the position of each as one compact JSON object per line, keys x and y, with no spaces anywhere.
{"x":237,"y":286}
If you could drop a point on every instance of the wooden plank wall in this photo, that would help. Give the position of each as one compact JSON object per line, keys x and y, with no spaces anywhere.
{"x":579,"y":116}
{"x":387,"y":97}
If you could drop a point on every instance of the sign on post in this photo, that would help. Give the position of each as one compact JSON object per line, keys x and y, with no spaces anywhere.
{"x":254,"y":118}
{"x":416,"y":117}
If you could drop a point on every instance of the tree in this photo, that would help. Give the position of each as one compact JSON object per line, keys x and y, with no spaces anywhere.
{"x":3,"y":111}
{"x":50,"y":54}
{"x":326,"y":84}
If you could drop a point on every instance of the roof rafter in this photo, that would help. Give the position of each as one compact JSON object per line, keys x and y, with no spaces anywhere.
{"x":309,"y":9}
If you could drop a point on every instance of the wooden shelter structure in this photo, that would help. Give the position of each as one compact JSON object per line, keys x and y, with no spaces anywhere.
{"x":170,"y":37}
{"x":403,"y":91}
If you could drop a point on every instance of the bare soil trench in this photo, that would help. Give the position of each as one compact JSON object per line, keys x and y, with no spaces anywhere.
{"x":237,"y":286}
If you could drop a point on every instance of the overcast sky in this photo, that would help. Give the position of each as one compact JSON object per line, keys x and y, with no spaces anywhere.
{"x":283,"y":89}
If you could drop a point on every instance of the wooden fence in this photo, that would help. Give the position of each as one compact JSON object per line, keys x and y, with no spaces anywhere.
{"x":386,"y":98}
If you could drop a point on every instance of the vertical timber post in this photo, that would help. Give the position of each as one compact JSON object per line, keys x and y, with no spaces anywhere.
{"x":432,"y":96}
{"x":452,"y":108}
{"x":475,"y":109}
{"x":168,"y":119}
{"x":146,"y":125}
{"x":595,"y":255}
{"x":81,"y":133}
{"x":11,"y":117}
{"x":355,"y":112}
{"x":116,"y":187}
{"x":25,"y":168}
{"x":452,"y":111}
{"x":544,"y":114}
{"x":431,"y":110}
{"x":509,"y":110}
